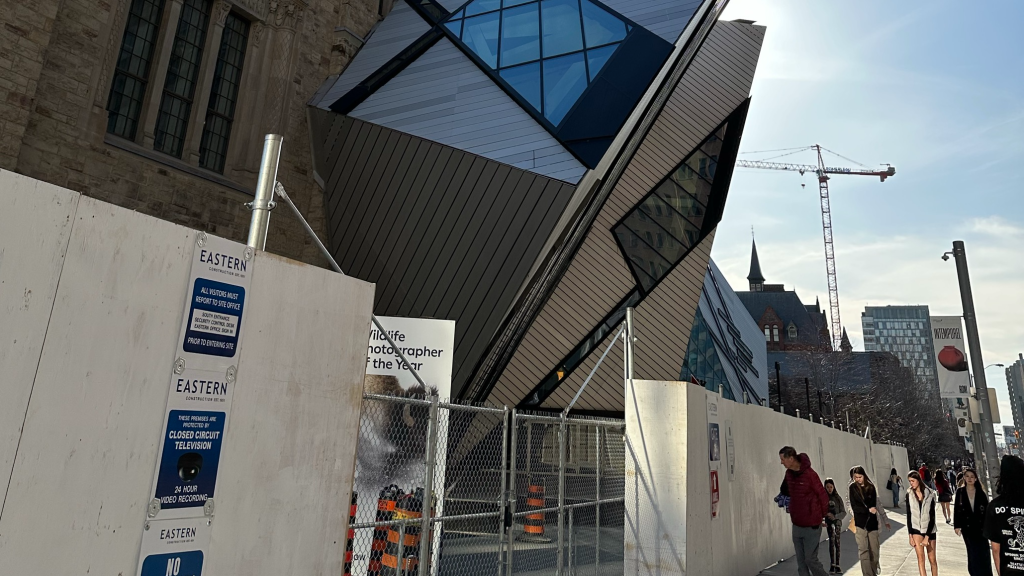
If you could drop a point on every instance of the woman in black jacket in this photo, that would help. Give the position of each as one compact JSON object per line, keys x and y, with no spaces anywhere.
{"x":969,"y":520}
{"x":864,"y":505}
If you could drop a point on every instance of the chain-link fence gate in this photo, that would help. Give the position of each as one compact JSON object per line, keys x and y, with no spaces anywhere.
{"x":452,"y":489}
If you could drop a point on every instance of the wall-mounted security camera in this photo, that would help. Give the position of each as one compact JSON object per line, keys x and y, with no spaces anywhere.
{"x":945,"y":257}
{"x":189,"y":466}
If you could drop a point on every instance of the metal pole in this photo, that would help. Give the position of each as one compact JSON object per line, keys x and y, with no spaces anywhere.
{"x":426,"y":542}
{"x":807,"y":393}
{"x":597,"y":507}
{"x":778,"y":383}
{"x":264,"y":201}
{"x":561,"y":494}
{"x":988,"y":439}
{"x":630,"y":339}
{"x":847,"y":420}
{"x":401,"y":545}
{"x":512,"y":497}
{"x":570,"y":570}
{"x":594,"y":370}
{"x":502,"y":496}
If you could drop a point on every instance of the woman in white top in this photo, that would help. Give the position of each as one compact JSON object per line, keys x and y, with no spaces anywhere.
{"x":921,"y":522}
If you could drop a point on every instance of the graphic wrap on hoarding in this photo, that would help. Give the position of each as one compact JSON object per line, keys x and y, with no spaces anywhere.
{"x":950,"y":357}
{"x":202,"y":382}
{"x":392,"y":435}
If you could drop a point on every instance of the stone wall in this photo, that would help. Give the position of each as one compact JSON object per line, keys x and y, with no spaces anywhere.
{"x":56,"y":64}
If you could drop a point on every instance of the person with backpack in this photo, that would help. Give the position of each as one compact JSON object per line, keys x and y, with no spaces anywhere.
{"x":926,"y":476}
{"x":945,"y":492}
{"x":808,"y":507}
{"x":969,"y":521}
{"x":1004,"y":522}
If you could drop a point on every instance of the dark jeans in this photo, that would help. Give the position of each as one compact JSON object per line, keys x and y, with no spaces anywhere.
{"x":834,"y":531}
{"x":805,"y":543}
{"x":979,"y":556}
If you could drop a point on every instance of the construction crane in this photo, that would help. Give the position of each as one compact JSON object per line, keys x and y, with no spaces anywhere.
{"x":823,"y":172}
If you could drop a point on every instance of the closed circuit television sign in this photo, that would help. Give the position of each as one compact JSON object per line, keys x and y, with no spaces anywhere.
{"x":180,"y":517}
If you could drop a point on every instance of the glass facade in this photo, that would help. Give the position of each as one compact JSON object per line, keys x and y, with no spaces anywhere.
{"x":132,"y":69}
{"x":906,"y":332}
{"x":182,"y":73}
{"x":226,"y":78}
{"x":666,"y":224}
{"x":702,"y":362}
{"x":548,"y":51}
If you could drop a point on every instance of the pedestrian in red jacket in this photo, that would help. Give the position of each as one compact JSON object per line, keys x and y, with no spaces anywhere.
{"x":808,"y":505}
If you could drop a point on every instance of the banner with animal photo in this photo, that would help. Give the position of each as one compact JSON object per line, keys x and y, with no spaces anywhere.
{"x":393,"y":434}
{"x":950,"y":357}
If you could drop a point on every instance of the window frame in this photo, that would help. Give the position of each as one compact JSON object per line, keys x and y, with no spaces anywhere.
{"x":144,"y":141}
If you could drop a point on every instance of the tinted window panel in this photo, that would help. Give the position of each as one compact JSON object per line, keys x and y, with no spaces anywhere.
{"x":682,"y":229}
{"x":598,"y":57}
{"x":565,"y":79}
{"x":525,"y":80}
{"x":600,"y":27}
{"x":481,"y":6}
{"x":480,"y":33}
{"x":520,"y":35}
{"x":561,"y":25}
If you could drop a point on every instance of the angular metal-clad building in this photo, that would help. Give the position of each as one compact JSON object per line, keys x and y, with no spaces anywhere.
{"x":530,"y":169}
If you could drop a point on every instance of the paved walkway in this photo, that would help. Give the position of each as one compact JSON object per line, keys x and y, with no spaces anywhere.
{"x":898,"y":558}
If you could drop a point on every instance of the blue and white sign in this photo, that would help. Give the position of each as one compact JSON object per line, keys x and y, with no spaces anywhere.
{"x":202,"y":382}
{"x":214,"y":318}
{"x":174,"y":547}
{"x":190,"y":458}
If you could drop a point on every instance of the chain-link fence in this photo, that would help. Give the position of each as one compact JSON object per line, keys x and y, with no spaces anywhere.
{"x":452,"y":489}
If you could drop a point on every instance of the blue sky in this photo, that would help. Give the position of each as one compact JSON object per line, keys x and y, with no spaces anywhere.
{"x":936,"y":88}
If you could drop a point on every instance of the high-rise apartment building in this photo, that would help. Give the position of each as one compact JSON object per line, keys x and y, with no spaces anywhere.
{"x":906,"y":332}
{"x":1015,"y":384}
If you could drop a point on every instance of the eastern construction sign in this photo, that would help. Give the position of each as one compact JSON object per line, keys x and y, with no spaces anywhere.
{"x":179,"y":515}
{"x":950,"y":357}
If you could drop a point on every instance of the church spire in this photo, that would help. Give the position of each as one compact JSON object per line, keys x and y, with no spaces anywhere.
{"x":755,"y":277}
{"x":845,"y":345}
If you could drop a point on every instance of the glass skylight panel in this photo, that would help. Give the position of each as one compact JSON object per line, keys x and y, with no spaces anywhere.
{"x":565,"y":79}
{"x":481,"y":6}
{"x":597,"y":58}
{"x":520,"y":35}
{"x":480,"y":33}
{"x":561,"y":22}
{"x":548,"y":51}
{"x":600,"y":27}
{"x":525,"y":80}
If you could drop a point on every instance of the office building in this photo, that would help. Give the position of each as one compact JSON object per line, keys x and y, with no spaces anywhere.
{"x":530,"y":170}
{"x":1015,"y":387}
{"x":906,"y":332}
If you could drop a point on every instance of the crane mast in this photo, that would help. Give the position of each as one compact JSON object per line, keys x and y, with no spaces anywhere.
{"x":822,"y":172}
{"x":830,"y":254}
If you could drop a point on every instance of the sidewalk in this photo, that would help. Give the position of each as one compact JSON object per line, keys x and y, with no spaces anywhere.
{"x":898,"y":558}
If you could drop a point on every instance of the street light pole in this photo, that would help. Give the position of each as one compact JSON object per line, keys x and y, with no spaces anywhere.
{"x":988,"y":440}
